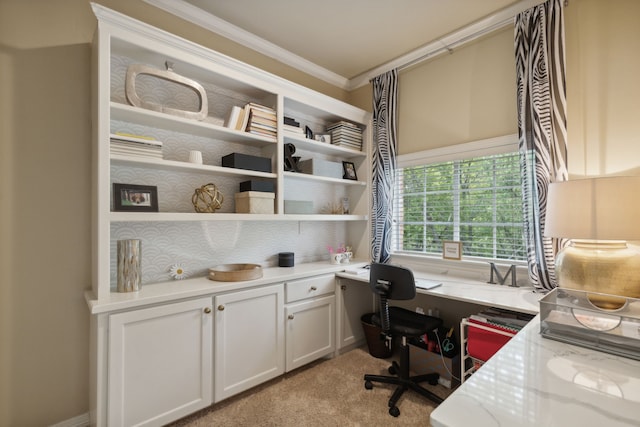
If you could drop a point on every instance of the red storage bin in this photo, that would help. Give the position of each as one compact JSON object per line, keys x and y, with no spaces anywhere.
{"x":482,"y":343}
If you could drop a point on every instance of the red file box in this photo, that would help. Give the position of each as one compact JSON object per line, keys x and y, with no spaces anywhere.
{"x":484,"y":340}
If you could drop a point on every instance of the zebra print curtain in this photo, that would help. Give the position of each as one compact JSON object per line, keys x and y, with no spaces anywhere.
{"x":542,"y":129}
{"x":385,"y":95}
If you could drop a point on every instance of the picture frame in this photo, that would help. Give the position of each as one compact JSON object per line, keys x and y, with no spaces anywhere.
{"x":452,"y":250}
{"x":349,"y":171}
{"x":135,"y":198}
{"x":308,"y":133}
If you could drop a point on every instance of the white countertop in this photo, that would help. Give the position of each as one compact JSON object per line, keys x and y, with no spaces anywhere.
{"x":535,"y":381}
{"x":521,"y":299}
{"x":198,"y":286}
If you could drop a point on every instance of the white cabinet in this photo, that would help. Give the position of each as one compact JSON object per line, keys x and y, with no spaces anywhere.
{"x":354,"y":299}
{"x":249,"y":339}
{"x":160,"y":363}
{"x":310,"y":320}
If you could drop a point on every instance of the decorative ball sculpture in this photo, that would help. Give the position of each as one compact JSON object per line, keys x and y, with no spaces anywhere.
{"x":207,"y":199}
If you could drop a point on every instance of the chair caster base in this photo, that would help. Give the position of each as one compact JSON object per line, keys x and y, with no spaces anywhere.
{"x":394,"y":411}
{"x":368,"y":385}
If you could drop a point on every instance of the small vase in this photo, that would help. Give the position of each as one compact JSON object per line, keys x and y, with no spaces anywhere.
{"x":129,"y":268}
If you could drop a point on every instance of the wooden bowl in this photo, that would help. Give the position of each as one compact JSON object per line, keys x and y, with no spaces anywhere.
{"x":235,"y":272}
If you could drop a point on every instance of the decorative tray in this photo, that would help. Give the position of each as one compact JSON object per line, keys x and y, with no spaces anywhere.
{"x":569,"y":315}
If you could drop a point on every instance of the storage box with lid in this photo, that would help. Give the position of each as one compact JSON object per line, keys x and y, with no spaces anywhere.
{"x":321,"y":167}
{"x":255,"y":202}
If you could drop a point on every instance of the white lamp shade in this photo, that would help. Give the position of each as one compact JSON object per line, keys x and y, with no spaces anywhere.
{"x":603,"y":208}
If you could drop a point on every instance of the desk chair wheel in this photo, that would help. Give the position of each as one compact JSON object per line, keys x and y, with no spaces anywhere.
{"x":394,"y":411}
{"x":433,"y":382}
{"x":368,"y":385}
{"x":392,"y":370}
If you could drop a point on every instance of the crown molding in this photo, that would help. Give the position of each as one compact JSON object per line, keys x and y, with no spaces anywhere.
{"x":219,"y":26}
{"x":446,"y":44}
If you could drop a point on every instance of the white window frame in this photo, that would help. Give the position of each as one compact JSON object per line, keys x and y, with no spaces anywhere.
{"x":486,"y":147}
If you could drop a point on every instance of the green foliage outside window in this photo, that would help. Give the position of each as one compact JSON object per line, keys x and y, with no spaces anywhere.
{"x":476,"y":201}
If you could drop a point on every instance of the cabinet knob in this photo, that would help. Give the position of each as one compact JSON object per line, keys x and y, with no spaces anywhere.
{"x":221,"y":307}
{"x":343,"y":287}
{"x":313,"y":288}
{"x":290,"y":317}
{"x":207,"y":310}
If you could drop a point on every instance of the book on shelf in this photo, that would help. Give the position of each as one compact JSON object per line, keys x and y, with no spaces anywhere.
{"x":255,"y":113}
{"x":128,"y":144}
{"x":292,"y":129}
{"x":133,"y":138}
{"x":234,"y":114}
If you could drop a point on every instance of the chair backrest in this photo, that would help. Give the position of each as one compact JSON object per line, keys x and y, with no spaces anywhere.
{"x":392,"y":281}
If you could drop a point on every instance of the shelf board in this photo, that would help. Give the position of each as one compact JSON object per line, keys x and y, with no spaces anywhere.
{"x":306,"y":144}
{"x":173,"y":165}
{"x":127,"y":113}
{"x":323,"y":179}
{"x":188,"y":217}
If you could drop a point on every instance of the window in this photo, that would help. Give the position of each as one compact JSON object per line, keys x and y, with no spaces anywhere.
{"x":476,"y":200}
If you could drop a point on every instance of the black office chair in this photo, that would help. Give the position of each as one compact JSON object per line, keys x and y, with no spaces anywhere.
{"x":392,"y":282}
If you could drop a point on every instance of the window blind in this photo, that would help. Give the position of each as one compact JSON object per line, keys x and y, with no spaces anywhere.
{"x":476,"y":201}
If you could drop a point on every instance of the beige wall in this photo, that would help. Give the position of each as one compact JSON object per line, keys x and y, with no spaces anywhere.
{"x":45,"y":179}
{"x":464,"y":96}
{"x":603,"y":92}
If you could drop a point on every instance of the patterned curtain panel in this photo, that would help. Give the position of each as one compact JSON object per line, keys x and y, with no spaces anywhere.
{"x":385,"y":96}
{"x":542,"y":129}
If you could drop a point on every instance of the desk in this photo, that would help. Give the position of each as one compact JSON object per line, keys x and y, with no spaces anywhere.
{"x":521,"y":299}
{"x":534,"y":381}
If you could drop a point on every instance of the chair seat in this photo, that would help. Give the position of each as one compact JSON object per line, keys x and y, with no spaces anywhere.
{"x":408,"y":323}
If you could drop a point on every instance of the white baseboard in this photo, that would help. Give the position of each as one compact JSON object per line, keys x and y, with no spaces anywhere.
{"x":79,"y":421}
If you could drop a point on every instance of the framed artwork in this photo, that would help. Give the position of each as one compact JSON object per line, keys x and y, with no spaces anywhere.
{"x":451,"y":250}
{"x":349,"y":171}
{"x":135,"y":198}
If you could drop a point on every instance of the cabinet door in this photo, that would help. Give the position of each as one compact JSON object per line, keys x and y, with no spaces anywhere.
{"x":160,"y":362}
{"x":249,"y":339}
{"x":355,"y":299}
{"x":310,"y":330}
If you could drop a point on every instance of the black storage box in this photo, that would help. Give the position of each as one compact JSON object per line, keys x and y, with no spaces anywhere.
{"x":245,"y":161}
{"x":257,"y":185}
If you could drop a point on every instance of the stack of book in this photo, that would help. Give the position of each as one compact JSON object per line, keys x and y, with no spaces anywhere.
{"x":346,"y":134}
{"x":291,"y":126}
{"x":127,"y":144}
{"x":254,"y":118}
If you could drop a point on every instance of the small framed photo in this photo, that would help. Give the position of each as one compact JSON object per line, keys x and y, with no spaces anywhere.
{"x":136,"y":198}
{"x":451,"y":250}
{"x":308,"y":133}
{"x":349,"y":171}
{"x":323,"y":137}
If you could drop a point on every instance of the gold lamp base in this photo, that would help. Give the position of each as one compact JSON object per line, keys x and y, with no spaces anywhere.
{"x":608,"y":267}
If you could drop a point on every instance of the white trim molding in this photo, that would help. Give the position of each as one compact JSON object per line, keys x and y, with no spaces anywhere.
{"x":446,"y":44}
{"x":468,"y":150}
{"x":219,"y":26}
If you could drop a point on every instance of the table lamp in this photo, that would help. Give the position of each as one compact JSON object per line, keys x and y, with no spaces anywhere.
{"x":599,"y":215}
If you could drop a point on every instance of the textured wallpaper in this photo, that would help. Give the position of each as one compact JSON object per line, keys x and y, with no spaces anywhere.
{"x":201,"y":245}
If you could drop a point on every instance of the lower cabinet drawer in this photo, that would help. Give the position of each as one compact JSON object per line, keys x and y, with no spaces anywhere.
{"x":310,"y":287}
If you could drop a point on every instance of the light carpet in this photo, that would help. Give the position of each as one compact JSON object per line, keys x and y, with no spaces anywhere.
{"x":325,"y":393}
